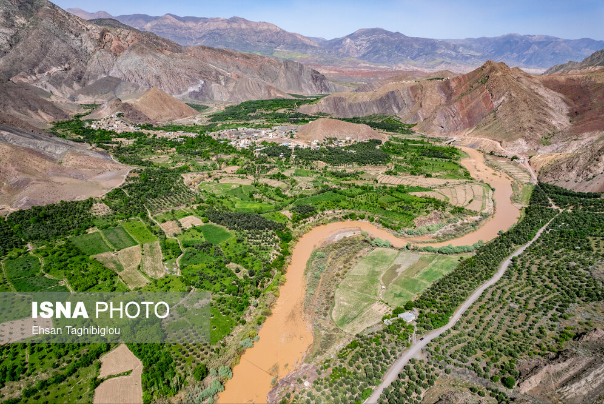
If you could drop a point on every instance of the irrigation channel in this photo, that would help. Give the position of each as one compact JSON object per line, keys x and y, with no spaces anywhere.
{"x":286,"y":335}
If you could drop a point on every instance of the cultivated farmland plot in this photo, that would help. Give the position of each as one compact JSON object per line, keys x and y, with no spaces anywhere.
{"x":91,"y":244}
{"x":170,"y":228}
{"x":130,"y":257}
{"x":383,"y":280}
{"x":152,"y":260}
{"x":133,"y":278}
{"x":123,"y":389}
{"x":514,"y":170}
{"x":472,"y":196}
{"x":190,"y":221}
{"x":110,"y":260}
{"x":416,"y":181}
{"x":139,"y":231}
{"x":119,"y":238}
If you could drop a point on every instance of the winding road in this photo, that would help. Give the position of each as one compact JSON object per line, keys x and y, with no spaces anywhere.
{"x":416,"y":347}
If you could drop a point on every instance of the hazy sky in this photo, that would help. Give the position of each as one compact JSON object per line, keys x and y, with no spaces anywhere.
{"x":424,"y":18}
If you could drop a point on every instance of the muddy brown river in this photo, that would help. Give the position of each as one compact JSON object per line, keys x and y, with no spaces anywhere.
{"x":286,"y":335}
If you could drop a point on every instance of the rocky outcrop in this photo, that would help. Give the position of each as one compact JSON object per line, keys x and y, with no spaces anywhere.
{"x":574,"y":376}
{"x":581,"y":171}
{"x":460,"y":397}
{"x":161,"y":107}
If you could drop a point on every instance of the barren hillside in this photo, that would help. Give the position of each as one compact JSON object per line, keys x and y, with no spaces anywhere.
{"x":333,"y":128}
{"x":71,"y":58}
{"x":38,"y":169}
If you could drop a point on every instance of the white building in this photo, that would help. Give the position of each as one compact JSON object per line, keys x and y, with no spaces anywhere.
{"x":407,"y":316}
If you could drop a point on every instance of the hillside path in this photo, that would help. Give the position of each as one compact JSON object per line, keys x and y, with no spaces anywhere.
{"x":417,"y":346}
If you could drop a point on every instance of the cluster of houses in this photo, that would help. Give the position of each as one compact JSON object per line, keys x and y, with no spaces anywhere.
{"x":113,"y":123}
{"x":243,"y":138}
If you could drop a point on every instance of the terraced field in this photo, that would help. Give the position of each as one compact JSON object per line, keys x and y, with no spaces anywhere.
{"x":415,"y":181}
{"x":514,"y":170}
{"x":472,"y":196}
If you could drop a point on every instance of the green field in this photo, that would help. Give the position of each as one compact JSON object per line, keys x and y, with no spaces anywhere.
{"x":221,"y":325}
{"x":344,"y":313}
{"x":253,"y":207}
{"x":303,"y":173}
{"x":22,"y":267}
{"x":441,"y":266}
{"x":276,"y":216}
{"x":139,"y":231}
{"x":34,"y":283}
{"x":91,"y":244}
{"x":375,"y":263}
{"x":416,"y":278}
{"x":385,"y":275}
{"x":119,"y":238}
{"x":214,"y":234}
{"x":191,"y":237}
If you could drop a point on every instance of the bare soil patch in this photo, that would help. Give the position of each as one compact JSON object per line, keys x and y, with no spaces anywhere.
{"x":152,"y":260}
{"x":170,"y":228}
{"x":124,"y":389}
{"x":130,"y":257}
{"x":190,"y":221}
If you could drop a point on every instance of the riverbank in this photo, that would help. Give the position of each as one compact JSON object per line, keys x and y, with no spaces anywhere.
{"x":286,"y":335}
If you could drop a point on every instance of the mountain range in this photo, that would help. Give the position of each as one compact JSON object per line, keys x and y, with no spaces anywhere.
{"x":374,"y":46}
{"x":50,"y":60}
{"x":555,"y":118}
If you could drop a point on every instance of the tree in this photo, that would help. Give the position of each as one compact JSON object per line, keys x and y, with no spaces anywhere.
{"x":509,"y":382}
{"x":200,"y":372}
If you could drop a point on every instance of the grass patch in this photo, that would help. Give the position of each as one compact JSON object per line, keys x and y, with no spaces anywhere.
{"x":299,"y":172}
{"x":192,"y":236}
{"x":23,"y":267}
{"x":119,"y":238}
{"x":276,"y":216}
{"x":253,"y":207}
{"x":349,"y":305}
{"x":91,"y":244}
{"x":378,"y":260}
{"x":221,"y":325}
{"x":139,"y":231}
{"x":413,"y":285}
{"x":441,"y":266}
{"x":34,"y":283}
{"x":215,"y":234}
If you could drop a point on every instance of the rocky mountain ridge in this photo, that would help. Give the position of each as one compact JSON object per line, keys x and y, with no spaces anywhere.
{"x":593,"y":61}
{"x":556,"y":119}
{"x":63,"y":56}
{"x":374,"y":45}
